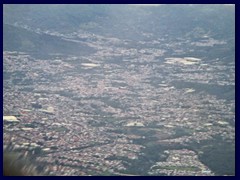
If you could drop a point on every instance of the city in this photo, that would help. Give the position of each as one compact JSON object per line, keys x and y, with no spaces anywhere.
{"x":105,"y":112}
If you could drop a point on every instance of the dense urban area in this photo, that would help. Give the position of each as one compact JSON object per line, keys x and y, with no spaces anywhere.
{"x":130,"y":107}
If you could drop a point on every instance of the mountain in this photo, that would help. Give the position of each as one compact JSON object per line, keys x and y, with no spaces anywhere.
{"x":125,"y":21}
{"x":141,"y":89}
{"x":19,"y":39}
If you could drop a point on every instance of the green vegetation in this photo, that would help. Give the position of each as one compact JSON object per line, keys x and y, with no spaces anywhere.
{"x":217,"y":154}
{"x":179,"y":131}
{"x":100,"y":20}
{"x":224,"y":92}
{"x":19,"y":39}
{"x":31,"y":125}
{"x":171,"y":29}
{"x":180,"y":168}
{"x":61,"y":129}
{"x":152,"y":153}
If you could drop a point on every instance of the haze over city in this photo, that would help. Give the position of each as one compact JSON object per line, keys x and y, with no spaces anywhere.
{"x":120,"y":90}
